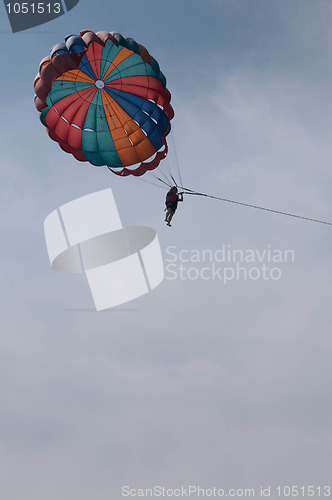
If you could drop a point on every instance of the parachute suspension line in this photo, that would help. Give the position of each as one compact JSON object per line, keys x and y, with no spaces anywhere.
{"x":175,"y":157}
{"x":190,"y":191}
{"x":140,"y":178}
{"x":169,"y":185}
{"x":176,"y":184}
{"x":164,"y":170}
{"x":169,"y":163}
{"x":157,"y":173}
{"x":160,"y":169}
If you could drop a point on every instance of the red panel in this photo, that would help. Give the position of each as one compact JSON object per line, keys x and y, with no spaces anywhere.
{"x":79,"y":118}
{"x":66,"y":102}
{"x":76,"y":113}
{"x":50,"y":72}
{"x":105,"y":35}
{"x":89,"y":36}
{"x":94,"y":56}
{"x":75,"y":138}
{"x":65,"y":62}
{"x":87,"y":94}
{"x":62,"y":129}
{"x":46,"y":60}
{"x":66,"y":147}
{"x":148,"y":87}
{"x":48,"y":75}
{"x":144,"y":53}
{"x":40,"y":105}
{"x":51,"y":118}
{"x":76,"y":153}
{"x":74,"y":107}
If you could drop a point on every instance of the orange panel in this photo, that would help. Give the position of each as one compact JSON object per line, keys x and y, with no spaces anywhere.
{"x":141,"y":149}
{"x":76,"y":75}
{"x":132,"y":127}
{"x":118,"y":133}
{"x":122,"y":143}
{"x":137,"y":137}
{"x":108,"y":103}
{"x":128,"y":156}
{"x":145,"y":149}
{"x":121,"y":56}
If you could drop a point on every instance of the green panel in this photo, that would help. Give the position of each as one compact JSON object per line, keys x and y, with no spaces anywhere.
{"x":101,"y":121}
{"x":89,"y":142}
{"x":154,"y":65}
{"x":163,"y":80}
{"x":130,"y":61}
{"x":107,"y":55}
{"x":131,"y":44}
{"x":94,"y":158}
{"x":98,"y":146}
{"x":58,"y":92}
{"x":105,"y":158}
{"x":140,"y":69}
{"x":111,"y":159}
{"x":74,"y":85}
{"x":105,"y":141}
{"x":118,"y":37}
{"x":90,"y":119}
{"x":42,"y":115}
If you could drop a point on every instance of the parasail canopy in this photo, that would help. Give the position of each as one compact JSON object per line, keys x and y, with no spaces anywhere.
{"x":103,"y":98}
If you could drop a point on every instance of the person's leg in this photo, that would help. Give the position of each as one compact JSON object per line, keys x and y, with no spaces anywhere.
{"x":170,"y":218}
{"x":167,"y":214}
{"x":168,"y":208}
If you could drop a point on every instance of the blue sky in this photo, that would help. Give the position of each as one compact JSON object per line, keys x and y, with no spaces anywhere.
{"x":197,"y":382}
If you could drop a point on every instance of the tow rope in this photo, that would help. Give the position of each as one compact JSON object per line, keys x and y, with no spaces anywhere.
{"x":195,"y":193}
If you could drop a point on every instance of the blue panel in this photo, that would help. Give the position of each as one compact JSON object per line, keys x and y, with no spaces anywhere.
{"x":131,"y":44}
{"x":118,"y":37}
{"x":75,"y":44}
{"x":85,"y":66}
{"x":135,"y":106}
{"x":59,"y":48}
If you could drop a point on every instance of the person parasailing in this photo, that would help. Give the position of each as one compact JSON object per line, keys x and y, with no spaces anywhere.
{"x":172,"y":199}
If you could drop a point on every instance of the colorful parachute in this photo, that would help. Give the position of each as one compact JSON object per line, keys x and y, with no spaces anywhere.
{"x":103,"y":98}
